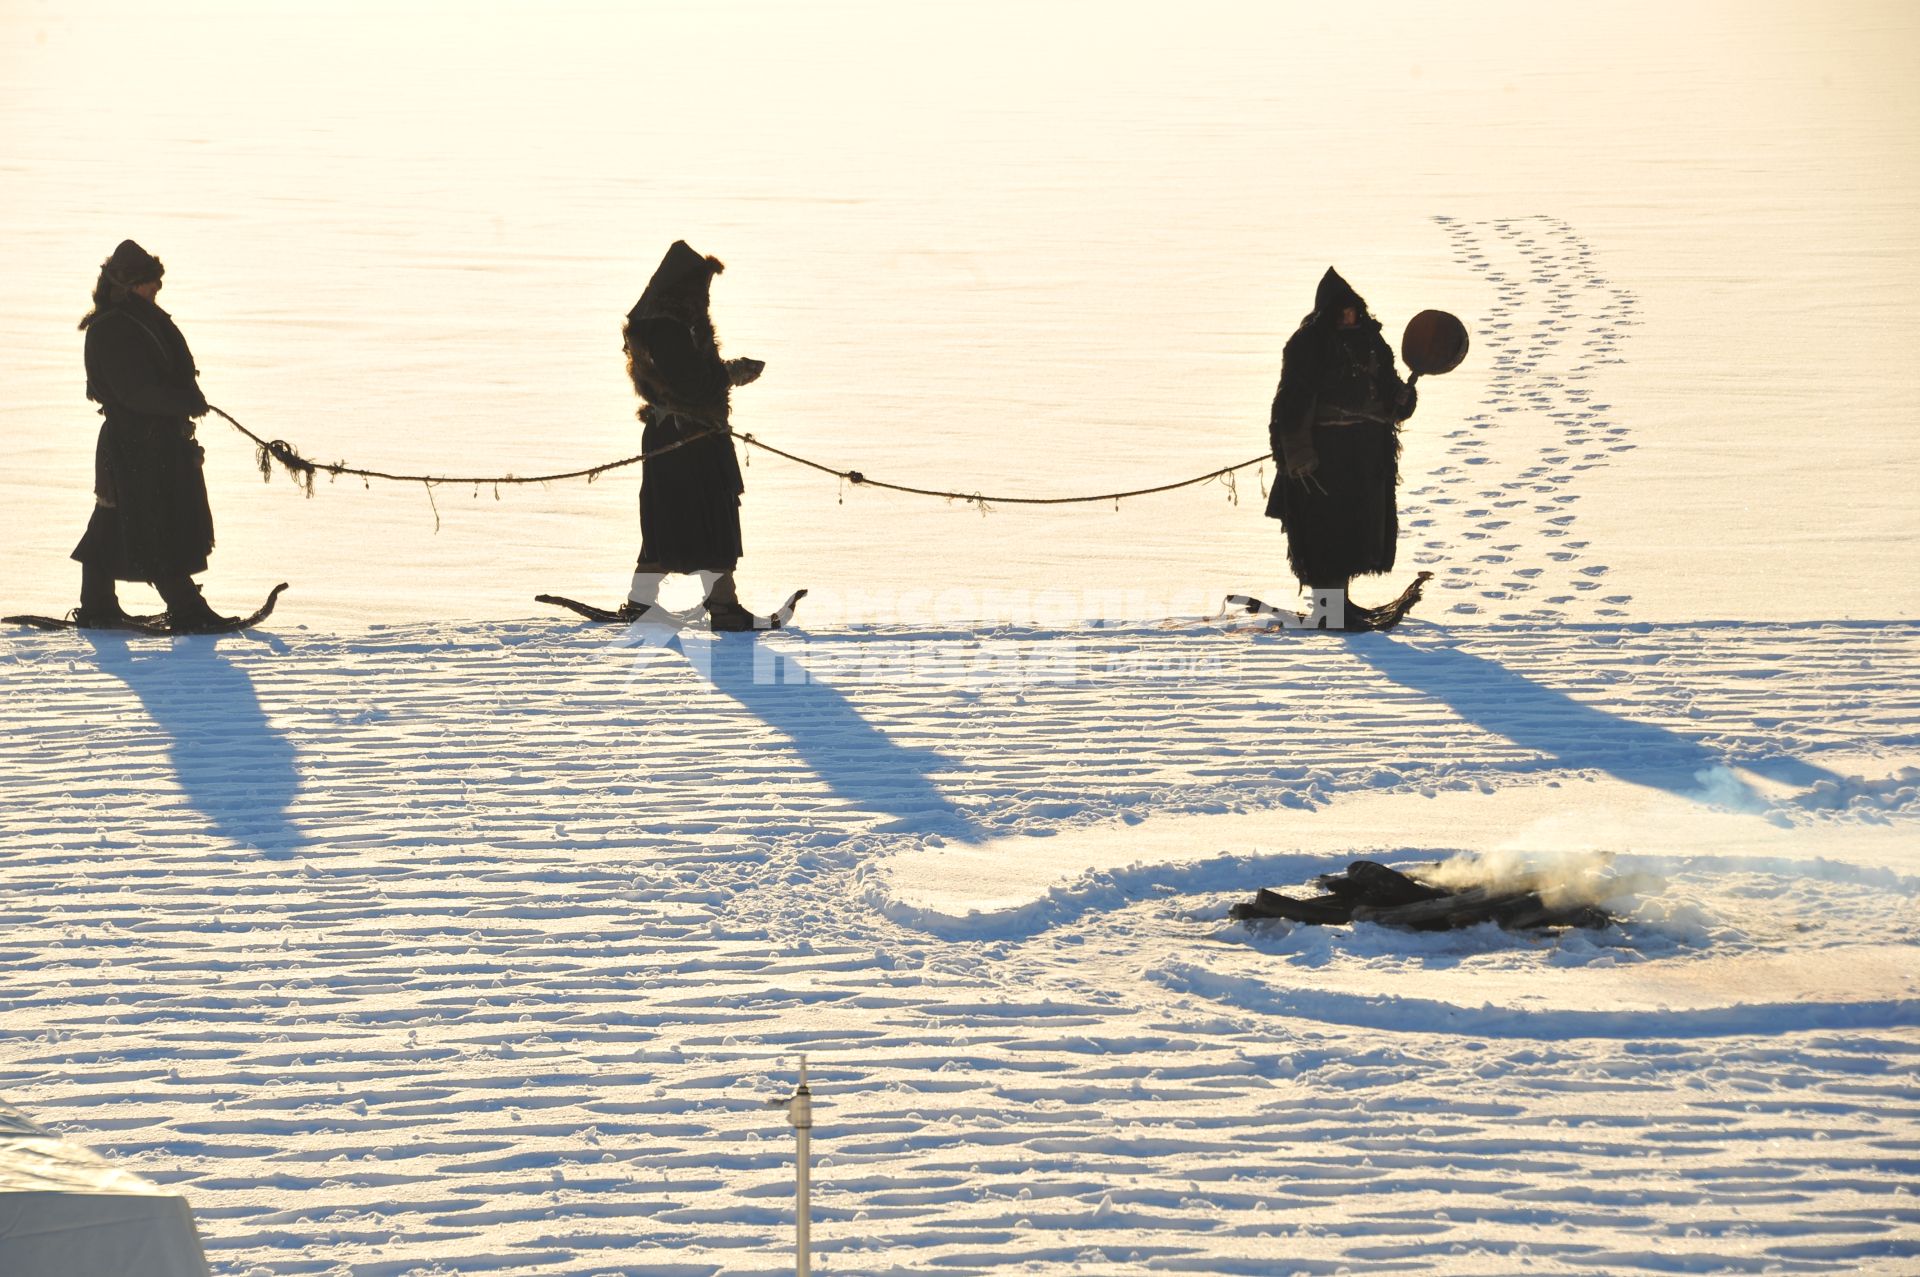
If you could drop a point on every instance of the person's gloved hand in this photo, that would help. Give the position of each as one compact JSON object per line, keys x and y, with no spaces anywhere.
{"x":1409,"y":400}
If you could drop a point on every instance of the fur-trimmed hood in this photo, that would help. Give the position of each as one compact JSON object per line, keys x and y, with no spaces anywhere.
{"x":673,"y":356}
{"x":1336,"y":294}
{"x":681,"y":287}
{"x":126,"y":269}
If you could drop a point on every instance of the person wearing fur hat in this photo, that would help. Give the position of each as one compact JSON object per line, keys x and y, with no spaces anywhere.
{"x":151,"y":521}
{"x":1335,"y":431}
{"x":690,"y":493}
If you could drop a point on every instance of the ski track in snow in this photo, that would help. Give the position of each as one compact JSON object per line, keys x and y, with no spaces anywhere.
{"x":440,"y":950}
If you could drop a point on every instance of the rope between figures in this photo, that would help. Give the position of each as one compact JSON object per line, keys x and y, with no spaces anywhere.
{"x":304,"y":471}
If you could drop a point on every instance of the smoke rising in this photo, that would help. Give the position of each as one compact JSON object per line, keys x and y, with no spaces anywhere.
{"x":1563,"y":879}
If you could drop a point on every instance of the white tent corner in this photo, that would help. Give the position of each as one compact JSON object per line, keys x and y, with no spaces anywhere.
{"x":64,"y":1212}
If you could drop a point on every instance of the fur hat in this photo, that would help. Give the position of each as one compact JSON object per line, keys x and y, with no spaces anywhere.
{"x":132,"y":265}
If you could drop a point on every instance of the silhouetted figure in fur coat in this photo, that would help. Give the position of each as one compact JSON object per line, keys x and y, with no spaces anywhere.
{"x":689,"y":496}
{"x":1335,"y":431}
{"x":151,"y":521}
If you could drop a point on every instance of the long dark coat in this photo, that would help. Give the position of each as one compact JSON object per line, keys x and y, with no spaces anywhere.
{"x":151,"y":519}
{"x":689,"y":497}
{"x":1339,"y":403}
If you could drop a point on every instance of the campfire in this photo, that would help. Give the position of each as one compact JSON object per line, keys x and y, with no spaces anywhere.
{"x":1372,"y":892}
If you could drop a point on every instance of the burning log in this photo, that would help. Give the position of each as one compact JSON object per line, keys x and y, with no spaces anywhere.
{"x":1372,"y":892}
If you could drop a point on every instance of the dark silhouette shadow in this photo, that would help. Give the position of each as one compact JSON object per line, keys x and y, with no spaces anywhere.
{"x":1575,"y":734}
{"x":237,"y":770}
{"x":857,"y":760}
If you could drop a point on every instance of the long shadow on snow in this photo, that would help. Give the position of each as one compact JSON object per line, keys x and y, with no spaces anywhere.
{"x":236,"y":769}
{"x":1578,"y":735}
{"x":857,"y":760}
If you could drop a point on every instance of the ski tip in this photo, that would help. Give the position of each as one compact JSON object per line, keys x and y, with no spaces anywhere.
{"x":780,"y":617}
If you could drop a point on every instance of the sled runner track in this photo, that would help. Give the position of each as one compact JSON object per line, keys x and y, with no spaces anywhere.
{"x":1508,"y":481}
{"x":480,"y":946}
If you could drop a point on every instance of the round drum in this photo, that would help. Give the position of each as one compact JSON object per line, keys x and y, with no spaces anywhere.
{"x":1435,"y":342}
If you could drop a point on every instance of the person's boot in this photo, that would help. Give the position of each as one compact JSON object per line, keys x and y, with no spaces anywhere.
{"x":725,"y":615}
{"x":187,"y":611}
{"x":99,"y":600}
{"x":1360,"y":617}
{"x":1343,"y":614}
{"x":643,"y":596}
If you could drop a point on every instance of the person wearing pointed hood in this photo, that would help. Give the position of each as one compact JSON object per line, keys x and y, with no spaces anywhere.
{"x":1335,"y":431}
{"x":690,"y":493}
{"x":151,"y":521}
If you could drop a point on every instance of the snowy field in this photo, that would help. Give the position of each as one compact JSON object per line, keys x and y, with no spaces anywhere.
{"x":426,"y":950}
{"x":423,"y":933}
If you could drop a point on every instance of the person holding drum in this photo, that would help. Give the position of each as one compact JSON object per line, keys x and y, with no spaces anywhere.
{"x":1335,"y":432}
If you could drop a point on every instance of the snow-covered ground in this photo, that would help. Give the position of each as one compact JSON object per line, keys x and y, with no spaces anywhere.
{"x":422,"y":934}
{"x":429,"y":949}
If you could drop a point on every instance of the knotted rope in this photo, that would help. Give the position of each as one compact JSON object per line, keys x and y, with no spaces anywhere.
{"x":305,"y":471}
{"x":984,"y":501}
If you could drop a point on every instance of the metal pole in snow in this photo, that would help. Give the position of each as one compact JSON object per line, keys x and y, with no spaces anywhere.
{"x":802,"y":1197}
{"x":799,"y":1107}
